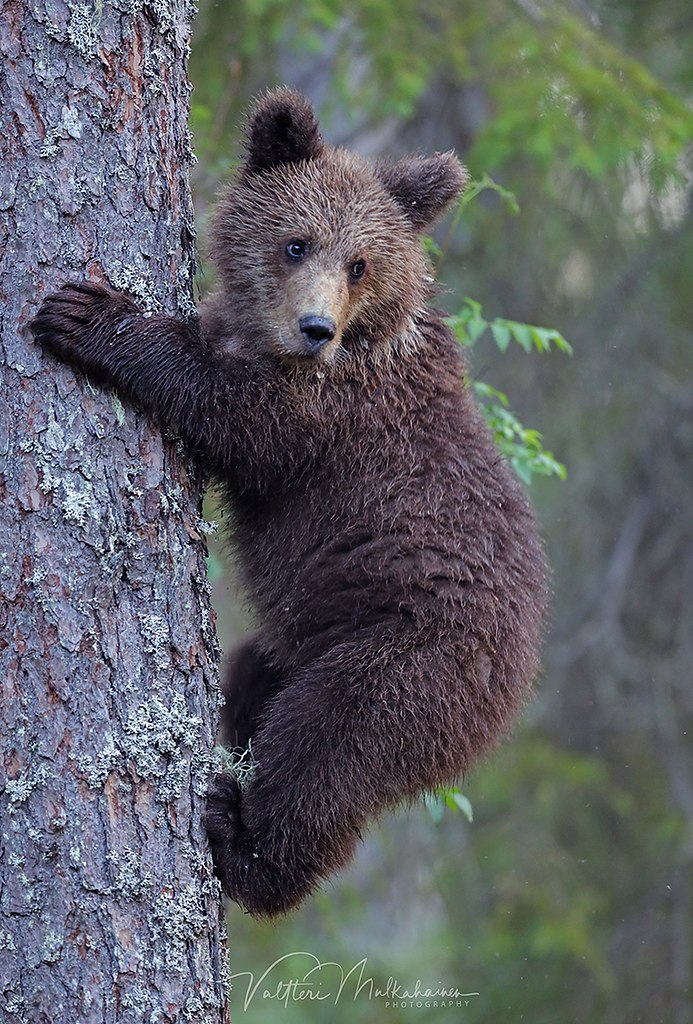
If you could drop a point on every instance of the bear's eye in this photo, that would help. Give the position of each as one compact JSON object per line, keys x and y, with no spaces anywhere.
{"x":357,"y":270}
{"x":296,"y":249}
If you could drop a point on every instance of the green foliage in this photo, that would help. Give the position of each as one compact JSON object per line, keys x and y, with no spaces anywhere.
{"x":450,"y":797}
{"x":486,"y":184}
{"x":564,"y":93}
{"x":468,"y":325}
{"x":560,"y":92}
{"x":522,"y":446}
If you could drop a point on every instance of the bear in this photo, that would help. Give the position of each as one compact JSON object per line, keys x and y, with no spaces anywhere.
{"x":390,"y":554}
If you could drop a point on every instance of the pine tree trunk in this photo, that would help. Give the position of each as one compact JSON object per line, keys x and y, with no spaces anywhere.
{"x":108,"y":907}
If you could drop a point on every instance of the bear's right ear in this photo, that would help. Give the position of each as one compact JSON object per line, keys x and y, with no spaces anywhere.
{"x":282,"y":129}
{"x":424,"y":186}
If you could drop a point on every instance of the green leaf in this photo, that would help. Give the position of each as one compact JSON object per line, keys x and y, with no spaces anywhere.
{"x":431,"y":247}
{"x":462,"y":803}
{"x":501,"y":334}
{"x":485,"y":184}
{"x":522,"y":446}
{"x":485,"y":391}
{"x":544,"y":337}
{"x":473,"y":305}
{"x":436,"y":806}
{"x":468,"y":324}
{"x":475,"y":328}
{"x":451,"y":797}
{"x":522,"y":333}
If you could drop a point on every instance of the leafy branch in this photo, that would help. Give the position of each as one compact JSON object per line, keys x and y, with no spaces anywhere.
{"x":468,"y":325}
{"x":522,"y":446}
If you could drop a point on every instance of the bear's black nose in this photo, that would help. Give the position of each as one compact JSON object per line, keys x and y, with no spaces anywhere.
{"x":317,"y":330}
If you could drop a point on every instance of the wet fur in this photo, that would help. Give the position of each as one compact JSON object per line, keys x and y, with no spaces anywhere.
{"x":389,"y":552}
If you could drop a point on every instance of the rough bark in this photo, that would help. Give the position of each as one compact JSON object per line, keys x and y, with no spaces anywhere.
{"x":108,"y":907}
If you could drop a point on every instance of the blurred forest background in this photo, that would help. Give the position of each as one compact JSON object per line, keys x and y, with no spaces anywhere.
{"x":570,"y":896}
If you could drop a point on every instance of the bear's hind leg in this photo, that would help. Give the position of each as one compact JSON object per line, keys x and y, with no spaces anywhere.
{"x":250,"y":683}
{"x":370,"y":722}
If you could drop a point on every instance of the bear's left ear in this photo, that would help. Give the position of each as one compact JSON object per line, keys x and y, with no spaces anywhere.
{"x":282,"y":129}
{"x":424,"y":186}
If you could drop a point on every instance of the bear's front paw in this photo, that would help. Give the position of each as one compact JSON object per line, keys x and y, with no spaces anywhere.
{"x":81,"y":324}
{"x":248,"y":867}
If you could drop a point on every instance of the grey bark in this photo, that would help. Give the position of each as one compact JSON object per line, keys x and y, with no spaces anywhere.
{"x":108,"y":907}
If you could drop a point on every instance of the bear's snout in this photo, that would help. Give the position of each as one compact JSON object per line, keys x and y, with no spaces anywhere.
{"x":317,"y":331}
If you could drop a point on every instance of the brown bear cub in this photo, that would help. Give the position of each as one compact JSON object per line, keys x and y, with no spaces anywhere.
{"x":388,"y":550}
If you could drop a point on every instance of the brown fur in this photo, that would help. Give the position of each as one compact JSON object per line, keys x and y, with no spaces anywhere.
{"x":389,"y":552}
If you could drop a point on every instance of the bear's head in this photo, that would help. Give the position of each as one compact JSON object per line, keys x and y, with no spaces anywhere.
{"x":319,"y":251}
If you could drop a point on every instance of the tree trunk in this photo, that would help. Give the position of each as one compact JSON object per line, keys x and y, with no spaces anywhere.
{"x":108,"y":907}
